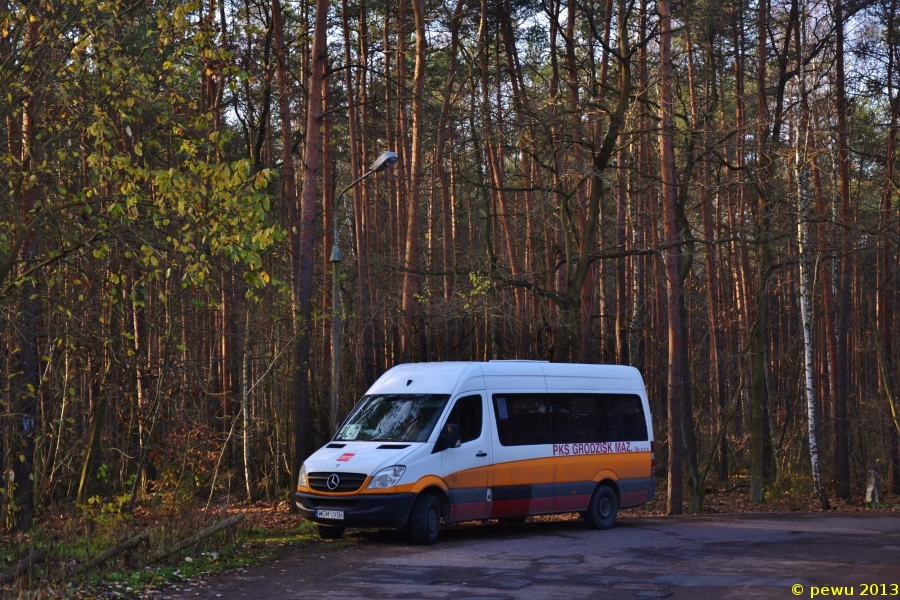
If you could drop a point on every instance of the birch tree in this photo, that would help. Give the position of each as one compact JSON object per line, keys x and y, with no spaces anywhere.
{"x":801,"y":175}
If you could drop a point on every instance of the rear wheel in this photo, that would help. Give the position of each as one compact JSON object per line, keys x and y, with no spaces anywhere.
{"x":512,"y":520}
{"x":425,"y":520}
{"x":601,"y":512}
{"x":327,"y":532}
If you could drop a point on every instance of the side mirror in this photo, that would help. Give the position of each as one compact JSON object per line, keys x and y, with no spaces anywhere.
{"x":450,"y":436}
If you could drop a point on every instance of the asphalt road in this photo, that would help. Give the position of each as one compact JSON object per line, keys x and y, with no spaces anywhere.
{"x":709,"y":557}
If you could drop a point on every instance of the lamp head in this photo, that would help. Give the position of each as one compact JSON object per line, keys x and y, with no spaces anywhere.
{"x":384,"y":162}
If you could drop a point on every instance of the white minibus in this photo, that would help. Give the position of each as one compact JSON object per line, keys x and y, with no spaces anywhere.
{"x":461,"y":441}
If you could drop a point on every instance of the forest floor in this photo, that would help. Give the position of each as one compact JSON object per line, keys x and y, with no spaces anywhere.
{"x":270,"y":531}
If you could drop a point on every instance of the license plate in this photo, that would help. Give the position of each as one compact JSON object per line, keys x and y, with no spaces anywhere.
{"x":330,"y":514}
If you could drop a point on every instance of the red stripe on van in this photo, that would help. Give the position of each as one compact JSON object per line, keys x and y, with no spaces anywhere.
{"x":572,"y":503}
{"x":503,"y":508}
{"x":467,"y":511}
{"x":542,"y":505}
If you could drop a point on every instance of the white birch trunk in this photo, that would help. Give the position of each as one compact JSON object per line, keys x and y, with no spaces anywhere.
{"x":245,"y":408}
{"x":801,"y":172}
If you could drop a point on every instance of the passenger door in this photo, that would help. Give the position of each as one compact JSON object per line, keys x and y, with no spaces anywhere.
{"x":523,"y":474}
{"x":465,"y":469}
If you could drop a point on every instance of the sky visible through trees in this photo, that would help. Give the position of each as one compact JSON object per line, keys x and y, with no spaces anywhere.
{"x":705,"y":191}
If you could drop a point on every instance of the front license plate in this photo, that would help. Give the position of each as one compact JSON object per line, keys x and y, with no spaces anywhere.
{"x":330,"y":514}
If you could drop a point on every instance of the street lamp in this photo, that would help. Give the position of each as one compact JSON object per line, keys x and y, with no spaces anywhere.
{"x":384,"y":162}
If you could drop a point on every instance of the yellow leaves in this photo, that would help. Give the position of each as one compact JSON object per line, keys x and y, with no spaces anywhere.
{"x":260,"y":181}
{"x":188,"y":148}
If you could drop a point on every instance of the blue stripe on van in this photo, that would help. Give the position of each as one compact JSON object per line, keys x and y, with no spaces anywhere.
{"x":524,"y":492}
{"x":575,"y":488}
{"x":636,"y":485}
{"x":466,"y":495}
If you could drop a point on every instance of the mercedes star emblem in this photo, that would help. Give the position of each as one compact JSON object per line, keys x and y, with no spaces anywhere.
{"x":333,"y":481}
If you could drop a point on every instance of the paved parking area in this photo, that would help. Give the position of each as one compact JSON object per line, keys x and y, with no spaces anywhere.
{"x":706,"y":557}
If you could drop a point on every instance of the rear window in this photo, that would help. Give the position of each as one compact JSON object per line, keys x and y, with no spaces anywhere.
{"x":528,"y":419}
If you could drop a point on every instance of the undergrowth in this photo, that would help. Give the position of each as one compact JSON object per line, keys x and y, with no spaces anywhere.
{"x":74,"y":538}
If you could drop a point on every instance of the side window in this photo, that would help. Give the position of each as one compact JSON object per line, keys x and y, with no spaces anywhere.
{"x":576,"y":418}
{"x":624,"y":418}
{"x":522,"y":419}
{"x":581,"y":418}
{"x":467,"y":414}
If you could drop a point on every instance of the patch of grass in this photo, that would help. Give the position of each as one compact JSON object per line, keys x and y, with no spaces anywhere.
{"x":70,"y":545}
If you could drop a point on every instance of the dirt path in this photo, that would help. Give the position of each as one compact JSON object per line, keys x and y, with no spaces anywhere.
{"x":722,"y":556}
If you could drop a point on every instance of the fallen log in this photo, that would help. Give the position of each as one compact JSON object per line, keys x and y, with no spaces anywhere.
{"x":34,"y":557}
{"x":179,"y":546}
{"x":102,"y":558}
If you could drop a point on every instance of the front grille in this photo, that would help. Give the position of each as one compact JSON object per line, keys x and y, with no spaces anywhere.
{"x":350,"y":482}
{"x":334,"y":504}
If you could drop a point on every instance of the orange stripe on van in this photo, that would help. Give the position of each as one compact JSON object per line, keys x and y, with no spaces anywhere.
{"x":470,"y":478}
{"x":586,"y":467}
{"x":557,"y":469}
{"x":562,"y":469}
{"x":535,"y":471}
{"x":524,"y":472}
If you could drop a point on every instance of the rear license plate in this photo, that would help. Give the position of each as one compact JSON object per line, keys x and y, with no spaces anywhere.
{"x":330,"y":514}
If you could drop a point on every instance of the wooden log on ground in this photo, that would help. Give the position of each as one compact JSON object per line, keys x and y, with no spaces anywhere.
{"x":34,"y":557}
{"x":112,"y":552}
{"x":227,"y":523}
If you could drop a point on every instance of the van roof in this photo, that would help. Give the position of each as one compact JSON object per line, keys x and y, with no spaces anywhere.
{"x":443,"y":377}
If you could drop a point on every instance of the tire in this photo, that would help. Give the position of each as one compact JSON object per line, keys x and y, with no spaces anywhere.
{"x":425,"y":520}
{"x":327,"y":532}
{"x":602,"y":510}
{"x":512,"y":520}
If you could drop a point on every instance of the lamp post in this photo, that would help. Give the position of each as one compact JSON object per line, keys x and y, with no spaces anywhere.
{"x":384,"y":162}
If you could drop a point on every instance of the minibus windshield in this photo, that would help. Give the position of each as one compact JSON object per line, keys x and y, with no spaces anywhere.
{"x":393,"y":418}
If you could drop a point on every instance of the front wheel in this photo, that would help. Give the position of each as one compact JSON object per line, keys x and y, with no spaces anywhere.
{"x":425,"y":520}
{"x":330,"y":533}
{"x":601,"y":512}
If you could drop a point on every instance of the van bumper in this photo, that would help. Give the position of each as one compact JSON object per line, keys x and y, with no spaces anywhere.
{"x":634,"y":492}
{"x":361,"y":510}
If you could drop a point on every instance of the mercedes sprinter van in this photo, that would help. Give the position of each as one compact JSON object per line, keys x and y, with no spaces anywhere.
{"x":461,"y":441}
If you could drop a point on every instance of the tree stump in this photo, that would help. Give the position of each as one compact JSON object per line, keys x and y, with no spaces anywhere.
{"x":873,"y":489}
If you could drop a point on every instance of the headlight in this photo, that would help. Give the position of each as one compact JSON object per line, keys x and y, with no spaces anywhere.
{"x":386,"y":478}
{"x":301,"y":480}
